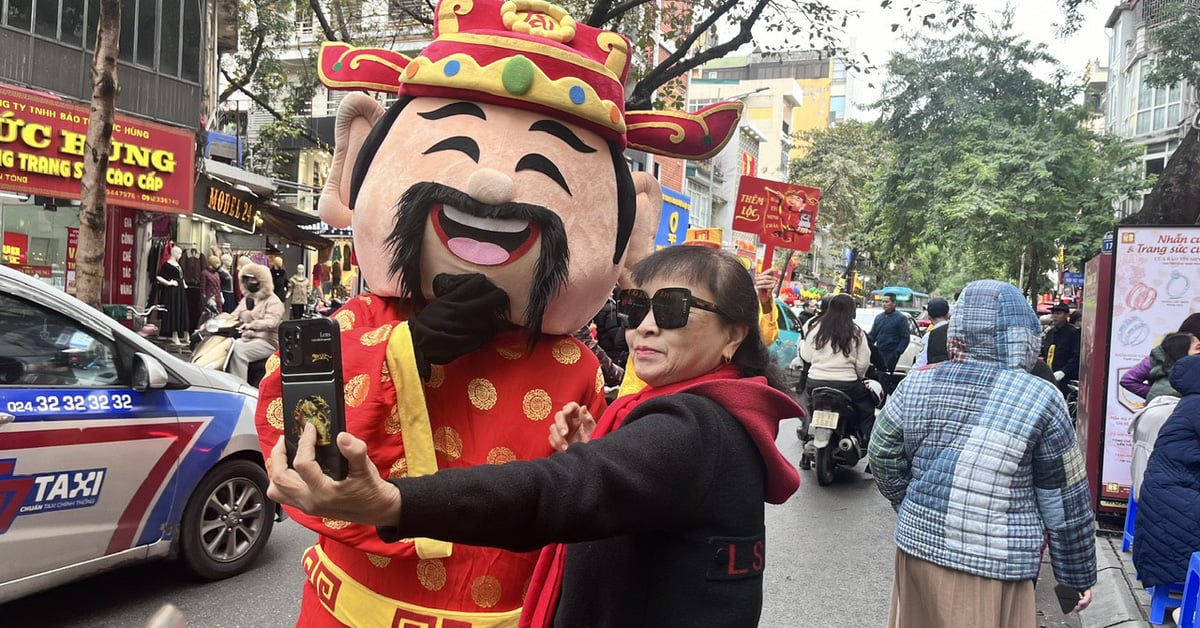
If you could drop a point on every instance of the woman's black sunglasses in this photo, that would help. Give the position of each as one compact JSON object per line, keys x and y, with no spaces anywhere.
{"x":671,"y":307}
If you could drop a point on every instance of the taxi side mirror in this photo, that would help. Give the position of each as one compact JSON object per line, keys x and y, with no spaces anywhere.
{"x":148,"y":373}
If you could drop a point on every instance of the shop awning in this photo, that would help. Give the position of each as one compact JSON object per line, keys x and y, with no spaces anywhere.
{"x":291,"y":213}
{"x":280,"y":225}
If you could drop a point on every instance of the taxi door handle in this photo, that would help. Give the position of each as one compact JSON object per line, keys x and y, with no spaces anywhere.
{"x":6,"y":418}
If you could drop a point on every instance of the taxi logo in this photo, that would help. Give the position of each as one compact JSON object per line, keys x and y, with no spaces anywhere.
{"x":45,"y":492}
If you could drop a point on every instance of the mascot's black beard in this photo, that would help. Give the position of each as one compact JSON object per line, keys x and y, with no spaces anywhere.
{"x":408,"y":231}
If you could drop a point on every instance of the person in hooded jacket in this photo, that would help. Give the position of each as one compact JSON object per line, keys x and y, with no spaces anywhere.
{"x":260,"y":312}
{"x":659,"y":504}
{"x":1169,"y":502}
{"x":979,"y":458}
{"x":1148,"y":380}
{"x":1148,"y":422}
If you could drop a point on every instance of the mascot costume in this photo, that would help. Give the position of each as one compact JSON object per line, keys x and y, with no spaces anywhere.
{"x":492,"y":210}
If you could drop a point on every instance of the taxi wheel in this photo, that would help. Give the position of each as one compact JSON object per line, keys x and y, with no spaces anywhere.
{"x":227,"y":521}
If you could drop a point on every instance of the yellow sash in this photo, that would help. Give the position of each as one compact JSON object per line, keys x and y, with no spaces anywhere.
{"x":355,"y":605}
{"x":414,"y":422}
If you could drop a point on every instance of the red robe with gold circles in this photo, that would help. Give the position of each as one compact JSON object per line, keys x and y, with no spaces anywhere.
{"x":489,"y":407}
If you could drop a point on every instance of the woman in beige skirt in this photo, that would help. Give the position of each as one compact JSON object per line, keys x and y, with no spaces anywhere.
{"x":979,"y":459}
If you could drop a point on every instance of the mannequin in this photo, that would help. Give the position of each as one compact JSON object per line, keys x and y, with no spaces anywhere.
{"x":193,"y":271}
{"x":226,"y":275}
{"x":279,"y":276}
{"x":298,"y":289}
{"x":174,"y":322}
{"x":210,"y":284}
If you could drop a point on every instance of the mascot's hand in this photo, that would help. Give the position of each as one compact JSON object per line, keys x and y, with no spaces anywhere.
{"x":465,"y":316}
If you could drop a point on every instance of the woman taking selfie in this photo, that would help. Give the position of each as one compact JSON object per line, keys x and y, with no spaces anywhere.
{"x":660,"y":503}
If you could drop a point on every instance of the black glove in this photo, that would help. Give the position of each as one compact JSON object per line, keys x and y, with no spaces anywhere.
{"x":465,"y":315}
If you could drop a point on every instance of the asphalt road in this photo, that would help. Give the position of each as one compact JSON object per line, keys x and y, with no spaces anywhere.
{"x":829,"y":564}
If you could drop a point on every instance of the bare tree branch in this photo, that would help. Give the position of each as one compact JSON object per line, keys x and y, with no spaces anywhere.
{"x":674,"y":65}
{"x":326,"y":28}
{"x":619,"y":10}
{"x":599,"y":14}
{"x":423,"y":18}
{"x":251,"y":68}
{"x":265,"y":106}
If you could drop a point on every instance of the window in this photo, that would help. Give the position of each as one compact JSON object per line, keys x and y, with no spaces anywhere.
{"x":40,"y":347}
{"x":303,"y":17}
{"x":147,"y":32}
{"x":93,"y":20}
{"x":168,"y":60}
{"x":47,"y":18}
{"x":1158,"y":108}
{"x":192,"y":27}
{"x":839,"y":70}
{"x":128,"y":30}
{"x":19,"y":14}
{"x":72,"y":22}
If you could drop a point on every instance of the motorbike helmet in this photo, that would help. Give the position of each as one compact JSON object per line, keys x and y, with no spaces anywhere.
{"x":877,"y":392}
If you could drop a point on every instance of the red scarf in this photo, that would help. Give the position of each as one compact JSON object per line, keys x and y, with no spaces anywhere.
{"x":545,"y":586}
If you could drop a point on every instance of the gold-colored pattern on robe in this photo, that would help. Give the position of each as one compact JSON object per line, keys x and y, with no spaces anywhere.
{"x":447,"y":441}
{"x":273,"y":363}
{"x":482,"y":393}
{"x":345,"y":319}
{"x":566,"y":351}
{"x":513,"y":352}
{"x":392,"y":425}
{"x":399,"y":469}
{"x":356,"y":390}
{"x":432,"y":574}
{"x":275,"y":413}
{"x":599,"y":379}
{"x":379,"y":561}
{"x":500,"y":455}
{"x":376,"y":336}
{"x":485,"y":590}
{"x":335,"y":524}
{"x":437,"y":376}
{"x":537,"y":404}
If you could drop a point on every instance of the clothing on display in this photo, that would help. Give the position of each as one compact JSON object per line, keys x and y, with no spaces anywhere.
{"x":174,"y":298}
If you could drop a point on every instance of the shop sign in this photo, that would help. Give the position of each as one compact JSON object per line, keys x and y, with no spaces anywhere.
{"x":226,"y":205}
{"x":16,"y":248}
{"x":45,"y":273}
{"x":780,"y":214}
{"x":72,"y":247}
{"x":150,"y":166}
{"x":118,"y":258}
{"x":1156,"y":272}
{"x":676,"y":212}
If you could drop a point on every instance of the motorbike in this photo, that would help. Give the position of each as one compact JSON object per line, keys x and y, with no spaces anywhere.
{"x":212,"y":345}
{"x":839,"y":433}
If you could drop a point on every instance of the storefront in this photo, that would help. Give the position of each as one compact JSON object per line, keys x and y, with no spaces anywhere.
{"x":151,"y":169}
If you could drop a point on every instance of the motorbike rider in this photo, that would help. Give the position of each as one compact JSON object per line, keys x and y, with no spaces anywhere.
{"x":839,"y":356}
{"x":259,"y":314}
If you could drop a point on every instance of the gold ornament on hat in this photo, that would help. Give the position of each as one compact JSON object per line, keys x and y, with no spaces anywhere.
{"x":538,"y":18}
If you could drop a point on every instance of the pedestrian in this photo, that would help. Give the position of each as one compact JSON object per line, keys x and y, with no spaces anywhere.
{"x":1148,"y":422}
{"x":210,"y":283}
{"x":259,"y":313}
{"x":1142,"y":378}
{"x":1169,"y":506}
{"x":807,"y":311}
{"x":934,"y":349}
{"x":890,"y":332}
{"x":979,"y":459}
{"x":1060,"y":346}
{"x":661,"y":505}
{"x":610,"y":333}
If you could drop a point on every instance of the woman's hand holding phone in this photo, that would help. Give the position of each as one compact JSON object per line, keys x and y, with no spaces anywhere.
{"x":363,"y":497}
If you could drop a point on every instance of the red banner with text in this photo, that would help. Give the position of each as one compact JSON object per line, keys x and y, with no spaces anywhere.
{"x":16,"y":248}
{"x":118,"y":257}
{"x":72,"y":247}
{"x":780,"y":214}
{"x":151,"y":166}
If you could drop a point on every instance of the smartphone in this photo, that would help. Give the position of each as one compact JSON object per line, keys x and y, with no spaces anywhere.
{"x":310,"y":356}
{"x":1068,"y":598}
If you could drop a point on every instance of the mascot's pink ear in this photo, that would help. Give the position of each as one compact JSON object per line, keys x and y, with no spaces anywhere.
{"x":645,"y":225}
{"x":355,"y":118}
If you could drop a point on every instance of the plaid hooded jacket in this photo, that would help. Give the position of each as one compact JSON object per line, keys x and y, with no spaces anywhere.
{"x":978,"y":456}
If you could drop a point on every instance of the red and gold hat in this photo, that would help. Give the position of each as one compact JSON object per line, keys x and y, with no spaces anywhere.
{"x":532,"y":55}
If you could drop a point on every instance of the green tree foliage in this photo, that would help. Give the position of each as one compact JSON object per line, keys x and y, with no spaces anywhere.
{"x":842,"y":161}
{"x":1175,"y":198}
{"x":991,"y":164}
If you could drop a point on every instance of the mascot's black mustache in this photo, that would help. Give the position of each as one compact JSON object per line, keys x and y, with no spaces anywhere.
{"x":408,"y":230}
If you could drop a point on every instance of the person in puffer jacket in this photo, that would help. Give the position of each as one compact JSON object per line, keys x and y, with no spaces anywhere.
{"x":1169,"y":505}
{"x":260,"y":313}
{"x":979,"y":459}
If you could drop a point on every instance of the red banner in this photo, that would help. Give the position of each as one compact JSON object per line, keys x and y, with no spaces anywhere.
{"x":780,"y":214}
{"x":16,"y":248}
{"x":118,"y":257}
{"x":72,"y":246}
{"x":151,"y":166}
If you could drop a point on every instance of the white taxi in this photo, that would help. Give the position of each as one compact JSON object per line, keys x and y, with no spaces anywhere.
{"x":114,"y":451}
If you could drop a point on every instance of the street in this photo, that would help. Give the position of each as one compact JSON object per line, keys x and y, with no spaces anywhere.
{"x":829,"y":564}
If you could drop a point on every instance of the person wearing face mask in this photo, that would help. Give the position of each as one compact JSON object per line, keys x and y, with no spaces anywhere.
{"x":259,"y":314}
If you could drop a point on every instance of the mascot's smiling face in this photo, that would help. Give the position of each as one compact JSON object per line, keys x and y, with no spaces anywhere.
{"x":450,"y":186}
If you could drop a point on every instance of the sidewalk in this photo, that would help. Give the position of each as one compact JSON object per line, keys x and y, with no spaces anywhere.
{"x":1118,"y":599}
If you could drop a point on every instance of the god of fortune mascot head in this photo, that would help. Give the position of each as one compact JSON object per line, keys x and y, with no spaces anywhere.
{"x":503,"y":156}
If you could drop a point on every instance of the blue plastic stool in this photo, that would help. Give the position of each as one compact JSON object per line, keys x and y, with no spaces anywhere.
{"x":1161,"y":600}
{"x":1130,"y":519}
{"x":1191,"y":594}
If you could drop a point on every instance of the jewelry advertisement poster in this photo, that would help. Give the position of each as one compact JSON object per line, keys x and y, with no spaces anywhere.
{"x":1156,"y":285}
